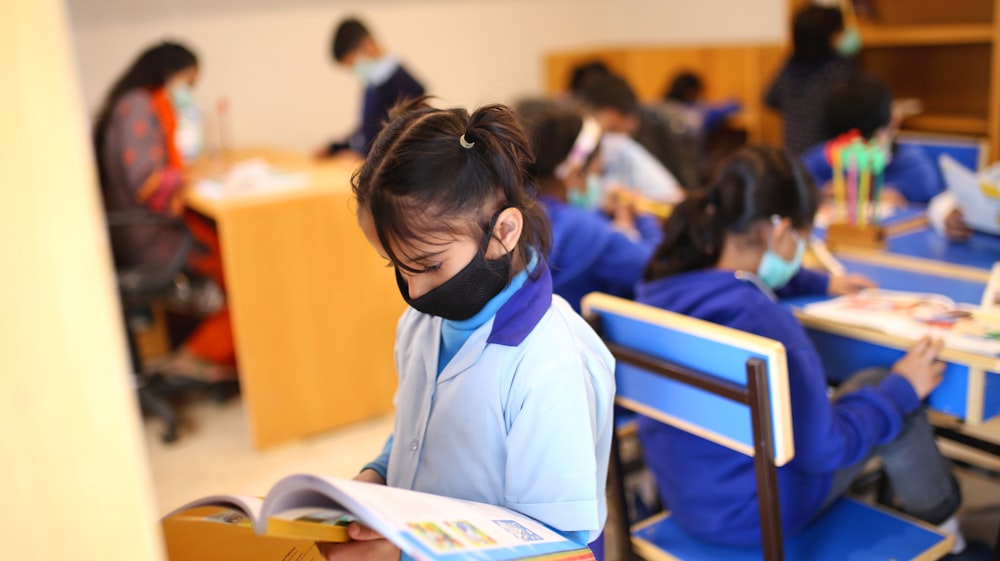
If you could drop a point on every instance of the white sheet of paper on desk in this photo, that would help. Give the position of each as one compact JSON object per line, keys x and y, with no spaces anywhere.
{"x":913,"y":315}
{"x":978,"y":195}
{"x":251,"y":177}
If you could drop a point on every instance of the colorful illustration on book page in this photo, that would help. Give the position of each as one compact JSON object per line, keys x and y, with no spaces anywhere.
{"x":435,"y":536}
{"x":518,"y":531}
{"x":914,"y":315}
{"x":470,"y":532}
{"x":936,"y":312}
{"x":233,"y":517}
{"x":919,"y":307}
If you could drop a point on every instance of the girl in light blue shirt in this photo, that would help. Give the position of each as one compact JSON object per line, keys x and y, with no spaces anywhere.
{"x":504,"y":393}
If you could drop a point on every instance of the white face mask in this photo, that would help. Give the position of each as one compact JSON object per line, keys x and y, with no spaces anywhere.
{"x":363,"y":69}
{"x":180,"y":95}
{"x":189,"y":135}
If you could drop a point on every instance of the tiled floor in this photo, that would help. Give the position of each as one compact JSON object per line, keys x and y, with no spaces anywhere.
{"x":214,"y":455}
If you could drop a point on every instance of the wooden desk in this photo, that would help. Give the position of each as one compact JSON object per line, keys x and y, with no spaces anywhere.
{"x":980,"y":252}
{"x":970,"y":390}
{"x":314,"y":309}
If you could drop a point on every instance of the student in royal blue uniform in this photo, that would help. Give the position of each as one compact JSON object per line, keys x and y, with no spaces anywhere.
{"x":505,"y":393}
{"x":387,"y":82}
{"x":591,"y":251}
{"x":724,"y":254}
{"x":864,"y":104}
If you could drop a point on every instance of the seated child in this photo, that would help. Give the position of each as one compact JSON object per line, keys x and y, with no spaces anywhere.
{"x":591,"y":251}
{"x":724,"y":254}
{"x":505,"y":394}
{"x":685,"y":97}
{"x":864,"y":104}
{"x":611,"y":100}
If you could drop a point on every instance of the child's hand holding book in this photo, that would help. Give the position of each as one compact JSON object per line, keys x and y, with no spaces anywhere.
{"x":365,"y":545}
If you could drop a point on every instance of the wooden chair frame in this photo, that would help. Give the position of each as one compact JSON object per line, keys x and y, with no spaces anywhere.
{"x":755,"y":396}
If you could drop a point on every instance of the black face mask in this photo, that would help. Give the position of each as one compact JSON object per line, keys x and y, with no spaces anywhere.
{"x":464,"y":294}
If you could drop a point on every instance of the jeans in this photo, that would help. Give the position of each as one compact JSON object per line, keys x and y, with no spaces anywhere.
{"x":920,"y":477}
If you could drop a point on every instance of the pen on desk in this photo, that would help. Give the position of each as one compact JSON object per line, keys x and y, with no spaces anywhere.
{"x":823,"y":255}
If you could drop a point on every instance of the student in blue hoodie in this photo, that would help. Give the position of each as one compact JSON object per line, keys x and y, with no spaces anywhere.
{"x":605,"y":249}
{"x":725,"y":252}
{"x":863,"y":104}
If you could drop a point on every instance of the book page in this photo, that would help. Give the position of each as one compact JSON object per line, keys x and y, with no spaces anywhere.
{"x":913,"y":315}
{"x":977,"y":195}
{"x":250,"y":177}
{"x":425,"y":526}
{"x":246,"y":505}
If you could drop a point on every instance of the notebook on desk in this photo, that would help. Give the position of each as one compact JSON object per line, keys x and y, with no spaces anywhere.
{"x":977,"y":195}
{"x":250,"y":177}
{"x":914,"y":315}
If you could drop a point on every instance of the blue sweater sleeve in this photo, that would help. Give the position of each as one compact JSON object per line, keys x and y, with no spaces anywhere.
{"x":828,"y":435}
{"x":381,"y":463}
{"x":649,"y":229}
{"x":814,"y":160}
{"x":805,"y":283}
{"x":913,"y":174}
{"x":716,"y":113}
{"x":621,"y":262}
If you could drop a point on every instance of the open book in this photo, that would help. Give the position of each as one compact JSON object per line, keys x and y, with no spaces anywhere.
{"x":978,"y":195}
{"x":302,"y":509}
{"x":913,"y":315}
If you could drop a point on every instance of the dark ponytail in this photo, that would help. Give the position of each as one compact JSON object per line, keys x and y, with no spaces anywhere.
{"x":432,"y":171}
{"x":752,"y":185}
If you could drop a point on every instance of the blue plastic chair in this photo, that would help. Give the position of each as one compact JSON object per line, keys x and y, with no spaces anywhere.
{"x":971,"y":152}
{"x":731,"y":387}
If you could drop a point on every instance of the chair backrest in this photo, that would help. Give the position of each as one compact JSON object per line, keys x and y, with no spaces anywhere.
{"x":719,"y":383}
{"x":971,"y":152}
{"x":706,"y":351}
{"x":168,"y":243}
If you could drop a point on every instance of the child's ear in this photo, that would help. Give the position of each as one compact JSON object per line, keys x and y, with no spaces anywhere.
{"x":506,"y":233}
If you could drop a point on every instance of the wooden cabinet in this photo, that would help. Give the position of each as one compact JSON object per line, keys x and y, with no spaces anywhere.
{"x":943,"y":53}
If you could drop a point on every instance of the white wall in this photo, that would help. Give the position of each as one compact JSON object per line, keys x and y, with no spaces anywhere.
{"x":699,"y":21}
{"x":270,"y":57}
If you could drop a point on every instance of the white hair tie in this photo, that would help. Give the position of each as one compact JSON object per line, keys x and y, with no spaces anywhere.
{"x":465,"y":143}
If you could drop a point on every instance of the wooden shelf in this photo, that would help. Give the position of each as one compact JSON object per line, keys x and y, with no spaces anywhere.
{"x":920,"y":35}
{"x":947,"y":123}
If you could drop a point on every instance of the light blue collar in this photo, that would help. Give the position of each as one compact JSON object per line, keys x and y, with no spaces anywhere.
{"x":495,"y":303}
{"x":454,"y":334}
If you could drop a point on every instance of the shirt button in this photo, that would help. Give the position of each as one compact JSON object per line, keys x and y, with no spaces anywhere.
{"x":414,"y":445}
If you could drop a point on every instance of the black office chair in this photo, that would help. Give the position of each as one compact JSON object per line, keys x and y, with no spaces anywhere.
{"x":140,"y":283}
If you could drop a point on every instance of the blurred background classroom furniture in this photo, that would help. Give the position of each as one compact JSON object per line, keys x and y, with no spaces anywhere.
{"x":946,"y":54}
{"x":140,"y":288}
{"x":314,"y":309}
